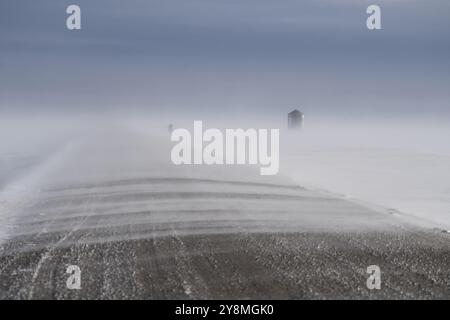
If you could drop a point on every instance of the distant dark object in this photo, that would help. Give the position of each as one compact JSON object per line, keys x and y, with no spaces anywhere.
{"x":295,"y":119}
{"x":170,"y":128}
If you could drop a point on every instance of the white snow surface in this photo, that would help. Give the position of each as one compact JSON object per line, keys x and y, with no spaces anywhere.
{"x":403,"y":169}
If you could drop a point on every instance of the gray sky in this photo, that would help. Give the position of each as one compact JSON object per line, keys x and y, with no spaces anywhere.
{"x":233,"y":55}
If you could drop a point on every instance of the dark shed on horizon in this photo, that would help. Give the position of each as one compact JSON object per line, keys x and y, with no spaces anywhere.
{"x":295,"y":119}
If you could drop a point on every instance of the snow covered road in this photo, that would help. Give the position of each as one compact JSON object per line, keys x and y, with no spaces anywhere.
{"x":140,"y":227}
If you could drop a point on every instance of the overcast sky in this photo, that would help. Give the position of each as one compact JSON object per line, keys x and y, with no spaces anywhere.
{"x":234,"y":55}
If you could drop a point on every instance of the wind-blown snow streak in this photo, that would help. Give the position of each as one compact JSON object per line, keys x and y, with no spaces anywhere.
{"x":116,"y":180}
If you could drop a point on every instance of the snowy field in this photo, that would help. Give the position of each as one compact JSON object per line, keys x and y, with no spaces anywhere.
{"x":405,"y":168}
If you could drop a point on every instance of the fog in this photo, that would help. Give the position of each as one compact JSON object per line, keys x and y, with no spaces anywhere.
{"x":401,"y":167}
{"x":94,"y":105}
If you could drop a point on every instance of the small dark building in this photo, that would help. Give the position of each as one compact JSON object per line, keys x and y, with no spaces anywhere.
{"x":295,"y":119}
